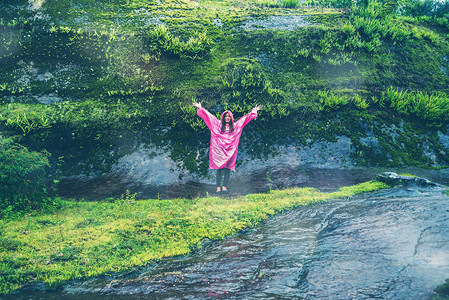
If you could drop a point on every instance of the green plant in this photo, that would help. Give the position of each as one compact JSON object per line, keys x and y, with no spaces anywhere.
{"x":66,"y":254}
{"x":290,"y":3}
{"x":162,"y":41}
{"x":442,"y":291}
{"x":331,"y":101}
{"x":268,"y":3}
{"x":28,"y":123}
{"x":360,"y":102}
{"x":22,"y":176}
{"x":188,"y":110}
{"x":433,"y":108}
{"x":127,"y":197}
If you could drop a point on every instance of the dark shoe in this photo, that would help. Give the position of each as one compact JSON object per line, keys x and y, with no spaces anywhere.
{"x":218,"y":192}
{"x":225,"y":192}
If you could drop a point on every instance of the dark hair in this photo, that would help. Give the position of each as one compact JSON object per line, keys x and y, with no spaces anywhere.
{"x":223,"y":124}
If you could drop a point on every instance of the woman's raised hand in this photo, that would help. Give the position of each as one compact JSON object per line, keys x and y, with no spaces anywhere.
{"x":196,"y":104}
{"x":259,"y":107}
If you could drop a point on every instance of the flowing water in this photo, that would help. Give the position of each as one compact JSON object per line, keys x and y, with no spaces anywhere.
{"x":391,"y":244}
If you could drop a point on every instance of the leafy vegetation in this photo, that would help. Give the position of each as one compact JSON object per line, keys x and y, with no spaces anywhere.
{"x":442,"y":291}
{"x":197,"y":46}
{"x":22,"y":176}
{"x":433,"y":108}
{"x":91,"y":238}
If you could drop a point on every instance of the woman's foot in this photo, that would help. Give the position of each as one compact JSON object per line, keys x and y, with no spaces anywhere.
{"x":218,"y":191}
{"x":224,"y":190}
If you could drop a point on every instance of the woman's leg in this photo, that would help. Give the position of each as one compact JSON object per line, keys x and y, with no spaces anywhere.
{"x":227,"y":174}
{"x":219,"y":176}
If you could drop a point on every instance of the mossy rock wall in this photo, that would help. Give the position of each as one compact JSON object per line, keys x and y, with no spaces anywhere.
{"x":93,"y":85}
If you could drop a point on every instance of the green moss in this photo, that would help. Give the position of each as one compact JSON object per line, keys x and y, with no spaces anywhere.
{"x":442,"y":291}
{"x":407,"y":174}
{"x":127,"y":65}
{"x":90,"y":238}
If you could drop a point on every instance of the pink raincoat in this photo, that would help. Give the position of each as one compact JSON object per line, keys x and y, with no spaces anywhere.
{"x":224,"y":146}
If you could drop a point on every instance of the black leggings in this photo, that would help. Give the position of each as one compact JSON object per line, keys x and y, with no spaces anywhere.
{"x":220,"y":172}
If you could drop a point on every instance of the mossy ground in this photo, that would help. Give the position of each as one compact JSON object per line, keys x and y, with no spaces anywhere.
{"x":86,"y":239}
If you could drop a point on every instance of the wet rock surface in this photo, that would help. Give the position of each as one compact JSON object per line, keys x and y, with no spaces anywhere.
{"x":289,"y":22}
{"x":241,"y":183}
{"x":393,"y":179}
{"x":257,"y":181}
{"x":391,"y":244}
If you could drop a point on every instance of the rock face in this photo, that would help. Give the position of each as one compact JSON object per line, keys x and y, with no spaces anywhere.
{"x":393,"y":179}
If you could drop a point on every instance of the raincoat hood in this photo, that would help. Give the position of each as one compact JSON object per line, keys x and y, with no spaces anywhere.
{"x":230,"y":114}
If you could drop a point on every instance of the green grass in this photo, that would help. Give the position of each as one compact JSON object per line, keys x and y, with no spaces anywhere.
{"x":442,"y":291}
{"x":432,"y":108}
{"x":90,"y":238}
{"x":407,"y":174}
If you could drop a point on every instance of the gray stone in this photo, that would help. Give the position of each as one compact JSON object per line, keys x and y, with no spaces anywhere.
{"x":393,"y":179}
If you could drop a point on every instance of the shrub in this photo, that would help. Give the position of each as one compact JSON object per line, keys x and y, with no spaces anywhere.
{"x":22,"y":175}
{"x":442,"y":291}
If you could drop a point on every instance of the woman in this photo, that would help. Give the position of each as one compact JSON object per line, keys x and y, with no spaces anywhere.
{"x":224,"y":141}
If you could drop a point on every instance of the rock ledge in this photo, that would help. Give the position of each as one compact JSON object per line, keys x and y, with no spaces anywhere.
{"x":393,"y":179}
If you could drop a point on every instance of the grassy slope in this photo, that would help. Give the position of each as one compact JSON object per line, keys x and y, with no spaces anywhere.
{"x":88,"y":239}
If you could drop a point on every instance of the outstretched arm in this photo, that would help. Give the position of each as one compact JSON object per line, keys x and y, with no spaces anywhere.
{"x":248,"y":117}
{"x":210,"y":120}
